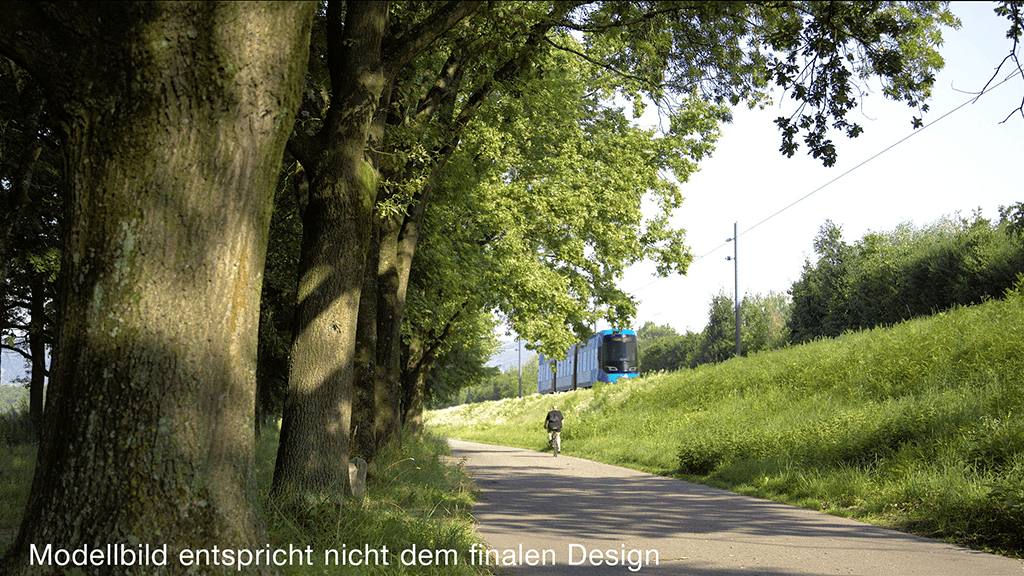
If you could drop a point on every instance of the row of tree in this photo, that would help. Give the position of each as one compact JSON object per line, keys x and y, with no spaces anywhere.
{"x":763,"y":327}
{"x":885,"y":278}
{"x":494,"y":385}
{"x":882,"y":279}
{"x":424,"y":164}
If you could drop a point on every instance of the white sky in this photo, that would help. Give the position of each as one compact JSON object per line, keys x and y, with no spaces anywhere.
{"x":964,"y":161}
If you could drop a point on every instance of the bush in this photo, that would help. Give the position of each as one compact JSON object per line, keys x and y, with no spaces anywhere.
{"x":890,"y":277}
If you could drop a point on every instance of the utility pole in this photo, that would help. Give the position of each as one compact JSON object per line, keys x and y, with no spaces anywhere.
{"x":736,"y":275}
{"x":519,"y":348}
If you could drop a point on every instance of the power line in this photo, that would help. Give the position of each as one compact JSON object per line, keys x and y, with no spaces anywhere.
{"x":972,"y":99}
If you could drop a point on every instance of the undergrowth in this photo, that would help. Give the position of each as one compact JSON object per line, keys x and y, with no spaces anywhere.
{"x":416,"y":498}
{"x":916,"y":427}
{"x":17,"y":464}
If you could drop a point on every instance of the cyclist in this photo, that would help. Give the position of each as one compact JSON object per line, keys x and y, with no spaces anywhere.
{"x":553,"y":424}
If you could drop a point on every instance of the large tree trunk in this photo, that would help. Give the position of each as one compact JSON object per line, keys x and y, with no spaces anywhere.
{"x":312,"y":459}
{"x":175,"y":118}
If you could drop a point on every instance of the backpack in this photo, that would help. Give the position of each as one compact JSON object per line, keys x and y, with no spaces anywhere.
{"x":554,"y":421}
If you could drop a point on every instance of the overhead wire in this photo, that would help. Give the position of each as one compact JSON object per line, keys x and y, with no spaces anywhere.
{"x":973,"y":98}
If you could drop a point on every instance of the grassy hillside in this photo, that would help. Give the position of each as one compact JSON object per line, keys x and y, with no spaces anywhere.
{"x":917,"y":427}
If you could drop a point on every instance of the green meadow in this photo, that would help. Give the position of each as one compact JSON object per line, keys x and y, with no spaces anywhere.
{"x":916,"y":427}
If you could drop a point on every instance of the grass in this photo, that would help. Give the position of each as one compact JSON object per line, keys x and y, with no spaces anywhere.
{"x":416,"y":497}
{"x":17,"y":464}
{"x":916,"y":427}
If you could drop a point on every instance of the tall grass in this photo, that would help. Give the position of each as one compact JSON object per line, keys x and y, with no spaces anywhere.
{"x":15,"y":425}
{"x":416,"y":498}
{"x":916,"y":427}
{"x":16,"y":466}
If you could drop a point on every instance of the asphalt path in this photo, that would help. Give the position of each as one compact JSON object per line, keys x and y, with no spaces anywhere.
{"x":542,"y":515}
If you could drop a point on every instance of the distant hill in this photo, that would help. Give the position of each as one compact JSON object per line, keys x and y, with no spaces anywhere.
{"x":507,"y":356}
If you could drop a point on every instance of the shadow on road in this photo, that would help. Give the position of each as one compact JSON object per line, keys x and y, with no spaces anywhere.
{"x":533,"y":500}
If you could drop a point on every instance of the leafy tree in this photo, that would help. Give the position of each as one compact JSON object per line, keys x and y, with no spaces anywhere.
{"x":763,"y":327}
{"x":173,"y":117}
{"x":719,"y":336}
{"x":463,"y":366}
{"x":651,"y":332}
{"x":821,"y":295}
{"x":29,"y":237}
{"x":12,"y":398}
{"x":672,"y":352}
{"x":449,"y":322}
{"x":559,"y":206}
{"x":764,"y":320}
{"x":428,"y":111}
{"x":1013,"y":217}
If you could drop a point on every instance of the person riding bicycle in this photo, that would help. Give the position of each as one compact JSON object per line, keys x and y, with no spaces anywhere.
{"x":553,"y":424}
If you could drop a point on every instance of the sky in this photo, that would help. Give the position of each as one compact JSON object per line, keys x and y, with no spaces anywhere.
{"x":967,"y":160}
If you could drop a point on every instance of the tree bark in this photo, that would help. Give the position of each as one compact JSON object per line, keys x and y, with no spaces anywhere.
{"x":175,"y":116}
{"x":312,"y":459}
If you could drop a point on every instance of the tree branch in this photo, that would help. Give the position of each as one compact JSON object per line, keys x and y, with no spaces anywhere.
{"x":607,"y":67}
{"x":24,"y":354}
{"x":401,"y":48}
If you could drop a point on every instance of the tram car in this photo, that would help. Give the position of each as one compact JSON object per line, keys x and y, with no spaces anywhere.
{"x":605,"y":357}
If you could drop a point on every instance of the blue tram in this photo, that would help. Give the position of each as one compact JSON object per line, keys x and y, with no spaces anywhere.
{"x":605,"y":357}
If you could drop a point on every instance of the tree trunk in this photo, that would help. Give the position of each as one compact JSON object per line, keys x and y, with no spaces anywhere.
{"x":414,"y":385}
{"x":312,"y":459}
{"x":364,"y":403}
{"x":175,"y":116}
{"x":391,"y":279}
{"x":37,"y":350}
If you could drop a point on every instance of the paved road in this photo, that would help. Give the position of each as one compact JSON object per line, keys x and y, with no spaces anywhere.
{"x":568,"y":516}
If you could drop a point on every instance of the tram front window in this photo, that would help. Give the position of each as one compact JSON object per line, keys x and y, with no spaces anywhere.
{"x":619,"y":353}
